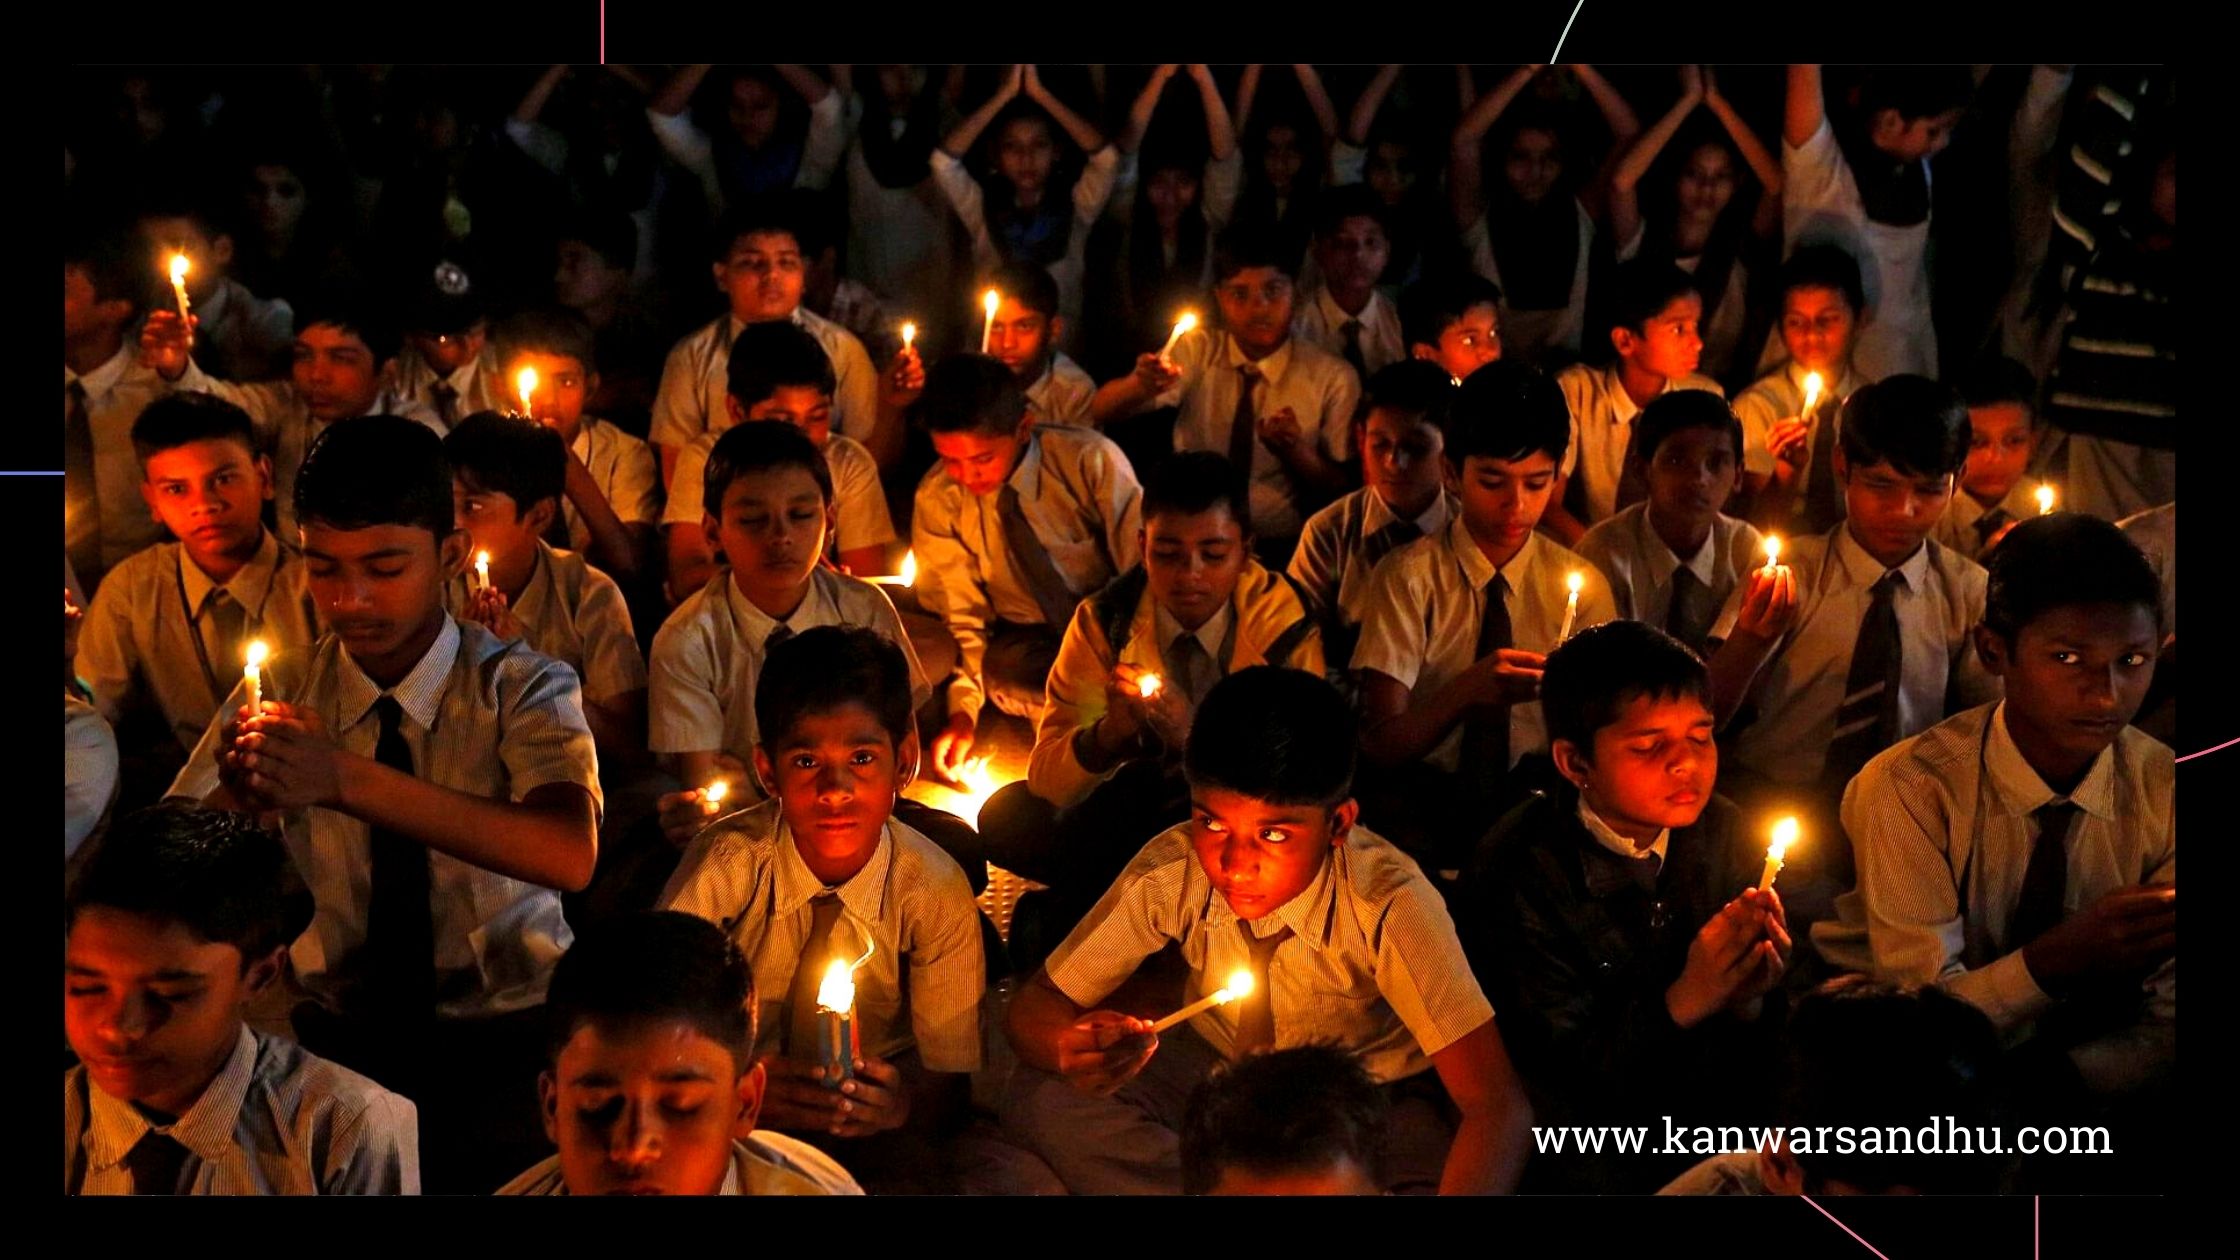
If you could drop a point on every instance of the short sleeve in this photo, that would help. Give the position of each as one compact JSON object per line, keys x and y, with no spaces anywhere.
{"x":633,"y":487}
{"x":687,"y":491}
{"x":1124,"y":929}
{"x":542,"y":736}
{"x":612,"y":663}
{"x":1422,"y":972}
{"x":1395,"y":635}
{"x":684,"y":712}
{"x":861,"y":500}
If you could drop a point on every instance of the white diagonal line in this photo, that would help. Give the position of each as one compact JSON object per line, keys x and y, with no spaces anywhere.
{"x":1552,"y":57}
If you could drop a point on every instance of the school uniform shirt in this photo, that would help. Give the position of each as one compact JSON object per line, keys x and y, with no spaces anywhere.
{"x":623,"y":466}
{"x":479,"y":384}
{"x":1426,"y":605}
{"x":116,"y":392}
{"x":695,"y":379}
{"x":1821,"y":202}
{"x":709,"y":653}
{"x":859,"y":501}
{"x":242,"y":336}
{"x":1602,"y":416}
{"x":1963,"y":527}
{"x":1798,"y":692}
{"x":1372,"y":966}
{"x":909,"y":908}
{"x":1078,"y":493}
{"x":1538,"y":335}
{"x":156,"y":635}
{"x":276,"y":1119}
{"x":89,"y":771}
{"x":1319,"y":388}
{"x":762,"y":1163}
{"x":1722,"y":325}
{"x":1779,"y":396}
{"x":2155,"y":531}
{"x":1339,"y":549}
{"x":1321,"y":322}
{"x":1644,"y":571}
{"x":1266,"y":622}
{"x":1062,"y":394}
{"x":1941,"y":827}
{"x":575,"y":614}
{"x":482,"y":716}
{"x":1091,"y":190}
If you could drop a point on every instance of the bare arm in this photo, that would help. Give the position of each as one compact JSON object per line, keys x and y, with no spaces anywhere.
{"x":1318,"y":101}
{"x":615,"y":547}
{"x":1558,"y":522}
{"x":539,"y":94}
{"x":1399,"y":727}
{"x":1624,"y":125}
{"x":804,"y":82}
{"x":960,"y":141}
{"x":1625,"y":196}
{"x":676,"y":94}
{"x":1372,"y":99}
{"x":1221,"y":135}
{"x":1761,"y":160}
{"x":1084,"y":132}
{"x":1146,"y":104}
{"x":1494,"y":1137}
{"x":1248,"y":86}
{"x":1805,"y":110}
{"x":1466,"y":159}
{"x":550,"y":838}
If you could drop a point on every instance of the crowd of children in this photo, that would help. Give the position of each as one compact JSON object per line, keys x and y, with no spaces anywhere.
{"x":501,"y":670}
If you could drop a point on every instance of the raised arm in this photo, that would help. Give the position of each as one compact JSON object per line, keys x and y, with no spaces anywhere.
{"x":676,"y":94}
{"x":1318,"y":100}
{"x":1466,"y":156}
{"x":960,"y":141}
{"x":1372,"y":100}
{"x":827,"y":137}
{"x":1083,"y":131}
{"x":1624,"y":125}
{"x":1805,"y":110}
{"x":1146,"y":104}
{"x":1248,"y":86}
{"x":539,"y":94}
{"x":1766,"y":221}
{"x":1625,"y":181}
{"x":804,"y":82}
{"x":1221,"y":134}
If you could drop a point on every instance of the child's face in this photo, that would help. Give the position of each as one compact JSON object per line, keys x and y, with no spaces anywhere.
{"x":1533,"y":165}
{"x":276,"y":200}
{"x":1391,"y":173}
{"x":210,"y":495}
{"x":1816,"y":327}
{"x":1706,"y":183}
{"x":1468,"y":343}
{"x":495,"y":522}
{"x":563,"y":385}
{"x":1353,"y":258}
{"x":1020,"y":338}
{"x":753,"y":111}
{"x":1887,"y":511}
{"x":448,"y":352}
{"x":1691,"y":476}
{"x":1281,"y":158}
{"x":1343,"y":1175}
{"x":1669,"y":345}
{"x":1261,"y":855}
{"x":380,"y":587}
{"x":2075,"y":675}
{"x":206,"y":258}
{"x":1502,"y":499}
{"x":150,"y":1008}
{"x":836,"y":775}
{"x":1999,"y":444}
{"x":805,"y":407}
{"x":762,"y":276}
{"x":1192,"y":562}
{"x":335,"y":372}
{"x":1025,"y":152}
{"x":772,"y":527}
{"x":1400,"y":460}
{"x":978,"y":460}
{"x":1256,"y":309}
{"x":1652,"y":767}
{"x":1913,"y":140}
{"x":581,"y":278}
{"x":1171,"y":192}
{"x":648,"y":1108}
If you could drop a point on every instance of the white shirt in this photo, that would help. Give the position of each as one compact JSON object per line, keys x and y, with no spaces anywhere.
{"x":626,"y":472}
{"x":2155,"y":531}
{"x":1062,"y":394}
{"x":695,"y":379}
{"x":479,"y":381}
{"x":1611,"y":840}
{"x":1957,"y":527}
{"x":1602,"y":415}
{"x":1332,"y":564}
{"x":1318,"y":388}
{"x":1820,"y":202}
{"x":575,"y":614}
{"x":1642,"y":568}
{"x":1320,"y":321}
{"x":1779,"y":396}
{"x":859,"y":501}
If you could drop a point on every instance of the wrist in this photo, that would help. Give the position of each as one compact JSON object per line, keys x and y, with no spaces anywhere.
{"x":1682,"y":1005}
{"x":350,"y":782}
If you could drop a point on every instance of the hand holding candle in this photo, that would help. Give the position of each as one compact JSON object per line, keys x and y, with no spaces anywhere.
{"x":711,"y":797}
{"x":908,"y":576}
{"x":1575,"y":581}
{"x":909,"y":336}
{"x":253,"y":675}
{"x":1784,"y":835}
{"x":989,"y":301}
{"x":836,"y":1025}
{"x":1149,"y":685}
{"x":179,"y":268}
{"x":1239,"y":986}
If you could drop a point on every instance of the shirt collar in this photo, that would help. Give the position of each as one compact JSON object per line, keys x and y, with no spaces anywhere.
{"x":1622,"y":406}
{"x":1335,"y":315}
{"x":583,"y":443}
{"x":1862,"y":569}
{"x":1663,"y":561}
{"x":862,"y":894}
{"x":1477,"y":568}
{"x":206,"y":1129}
{"x":1609,"y":839}
{"x":2022,"y":790}
{"x":1209,"y":636}
{"x":1026,"y":478}
{"x":1271,"y":368}
{"x":106,"y":377}
{"x":1378,"y":514}
{"x":247,"y":587}
{"x":418,"y":694}
{"x":755,"y":625}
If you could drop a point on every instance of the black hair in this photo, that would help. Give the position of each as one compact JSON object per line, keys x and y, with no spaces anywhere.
{"x":1598,"y":671}
{"x":1999,"y":379}
{"x":1669,"y":413}
{"x":376,"y":470}
{"x":970,"y":393}
{"x":1915,"y":424}
{"x":115,"y":269}
{"x":819,"y":670}
{"x":1412,"y":387}
{"x":1348,"y":201}
{"x":654,"y":965}
{"x":1915,"y":91}
{"x":174,"y":420}
{"x":1507,"y":410}
{"x":444,"y":299}
{"x":213,"y":871}
{"x":1243,"y":248}
{"x":1190,"y":482}
{"x":766,"y":213}
{"x":772,"y":354}
{"x":1436,"y":303}
{"x":1641,"y":288}
{"x":2060,"y":561}
{"x":1028,"y":284}
{"x":754,"y":446}
{"x":354,"y":312}
{"x":1283,"y":736}
{"x":553,"y":330}
{"x":611,"y":234}
{"x":1825,"y":266}
{"x":1298,"y":1109}
{"x":500,"y":454}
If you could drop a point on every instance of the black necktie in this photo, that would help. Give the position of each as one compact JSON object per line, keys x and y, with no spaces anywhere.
{"x":2045,"y":881}
{"x":1382,"y":543}
{"x":1242,"y":437}
{"x":1690,"y":614}
{"x":81,"y":497}
{"x":156,"y":1162}
{"x":1485,"y":736}
{"x":1031,"y":561}
{"x":1988,"y":524}
{"x":1823,"y":498}
{"x":1867,"y":720}
{"x":1351,"y":331}
{"x":808,"y":974}
{"x":447,"y":404}
{"x":400,"y":925}
{"x":1256,"y":1011}
{"x":1192,"y":666}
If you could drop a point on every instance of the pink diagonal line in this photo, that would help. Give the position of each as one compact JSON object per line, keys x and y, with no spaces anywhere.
{"x":2206,"y":751}
{"x":1845,"y":1228}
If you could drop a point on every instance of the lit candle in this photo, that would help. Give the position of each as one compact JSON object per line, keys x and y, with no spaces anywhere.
{"x":836,"y":1025}
{"x":989,"y":301}
{"x":2045,"y":498}
{"x":179,"y":283}
{"x":909,"y":335}
{"x":254,"y":674}
{"x":1575,"y":581}
{"x":1239,"y":986}
{"x":1149,"y":685}
{"x":1784,"y":835}
{"x":1188,"y":321}
{"x":711,"y":797}
{"x":1773,"y":554}
{"x":525,"y":383}
{"x":976,"y":783}
{"x":1812,"y":387}
{"x":907,"y":577}
{"x":482,"y":569}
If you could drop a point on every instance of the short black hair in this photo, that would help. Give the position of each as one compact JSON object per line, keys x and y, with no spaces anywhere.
{"x":1999,"y":379}
{"x":1244,"y":248}
{"x":1190,"y":482}
{"x":653,"y":965}
{"x":1412,"y":387}
{"x":819,"y":670}
{"x":1507,"y":410}
{"x":1436,"y":303}
{"x":495,"y":453}
{"x":1641,"y":288}
{"x":754,"y":446}
{"x":356,"y":312}
{"x":2063,"y":560}
{"x":376,"y":470}
{"x":1879,"y":1057}
{"x":1825,"y":266}
{"x":1598,"y":671}
{"x":1283,"y":736}
{"x":611,"y":234}
{"x":1915,"y":91}
{"x":1302,"y":1108}
{"x":967,"y":393}
{"x":772,"y":354}
{"x":1916,"y":425}
{"x":1348,"y":201}
{"x":116,"y":270}
{"x":1028,"y":284}
{"x":174,"y":420}
{"x":213,"y":871}
{"x":766,"y":213}
{"x":1679,"y":409}
{"x":553,"y":330}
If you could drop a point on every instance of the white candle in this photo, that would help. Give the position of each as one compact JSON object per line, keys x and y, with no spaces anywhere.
{"x":1188,"y":321}
{"x":1575,"y":581}
{"x":179,"y":283}
{"x":1784,"y":835}
{"x":2045,"y":498}
{"x":254,"y":674}
{"x":482,"y":570}
{"x":1239,"y":986}
{"x":1773,"y":555}
{"x":989,"y":301}
{"x":909,"y":334}
{"x":525,"y":384}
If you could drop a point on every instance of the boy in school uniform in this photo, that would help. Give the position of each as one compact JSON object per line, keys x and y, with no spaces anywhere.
{"x":1459,"y":621}
{"x":1788,"y":470}
{"x":823,"y":873}
{"x":777,"y":371}
{"x":653,"y":1007}
{"x":437,"y":788}
{"x":164,"y":637}
{"x":1343,"y":940}
{"x":2023,"y":855}
{"x":1026,"y":334}
{"x":1404,"y":498}
{"x":2002,"y":442}
{"x":1453,"y":320}
{"x":1012,"y":528}
{"x":1620,"y":920}
{"x":1344,"y":313}
{"x":242,"y":337}
{"x":612,"y":504}
{"x":759,"y":268}
{"x":1653,"y":329}
{"x":1281,"y":409}
{"x":1305,"y":1121}
{"x":175,"y":927}
{"x":1674,"y":558}
{"x":448,"y":364}
{"x":104,"y":386}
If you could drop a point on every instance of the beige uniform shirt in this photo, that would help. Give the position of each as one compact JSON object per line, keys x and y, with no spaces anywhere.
{"x":576,"y":615}
{"x":762,"y":1163}
{"x":1641,"y":568}
{"x":1602,"y":415}
{"x":1319,"y":388}
{"x":626,"y":472}
{"x":859,"y":501}
{"x":696,"y":378}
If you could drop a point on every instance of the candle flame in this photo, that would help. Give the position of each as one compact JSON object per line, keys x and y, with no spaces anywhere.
{"x":1575,"y":582}
{"x":1149,"y":685}
{"x":909,"y":334}
{"x":989,"y":301}
{"x":1188,"y":321}
{"x":179,"y":267}
{"x":2045,"y":498}
{"x":482,"y":560}
{"x":1773,"y":550}
{"x":525,"y":383}
{"x":714,"y":793}
{"x":257,"y":653}
{"x":976,"y":783}
{"x":1239,"y":986}
{"x":837,"y":992}
{"x":1813,"y":385}
{"x":1784,"y":835}
{"x":909,"y":568}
